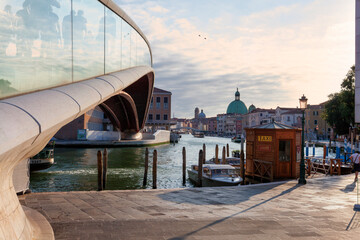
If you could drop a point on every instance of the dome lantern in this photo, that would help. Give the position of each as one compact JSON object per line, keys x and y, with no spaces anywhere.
{"x":237,"y":95}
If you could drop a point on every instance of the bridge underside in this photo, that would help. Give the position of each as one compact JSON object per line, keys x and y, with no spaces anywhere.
{"x":127,"y":110}
{"x":29,"y":121}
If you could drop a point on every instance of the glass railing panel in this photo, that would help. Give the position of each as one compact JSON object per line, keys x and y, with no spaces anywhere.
{"x":133,"y":51}
{"x":112,"y":41}
{"x":88,"y":39}
{"x":33,"y":54}
{"x":125,"y":45}
{"x":45,"y":44}
{"x":143,"y":53}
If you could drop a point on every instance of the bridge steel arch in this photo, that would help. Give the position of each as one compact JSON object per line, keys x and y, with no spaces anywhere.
{"x":29,"y":121}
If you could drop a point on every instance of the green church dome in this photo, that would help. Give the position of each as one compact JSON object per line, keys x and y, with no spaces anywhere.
{"x":237,"y":106}
{"x":251,"y":108}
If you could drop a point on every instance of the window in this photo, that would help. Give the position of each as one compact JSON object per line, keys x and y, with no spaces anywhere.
{"x":151,"y":103}
{"x":150,"y":117}
{"x":288,"y":118}
{"x":315,"y":122}
{"x":157,"y":116}
{"x":166,"y":104}
{"x":165,"y":117}
{"x":158,"y":102}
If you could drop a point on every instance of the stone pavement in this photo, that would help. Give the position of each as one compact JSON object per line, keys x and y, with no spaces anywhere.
{"x":321,"y":209}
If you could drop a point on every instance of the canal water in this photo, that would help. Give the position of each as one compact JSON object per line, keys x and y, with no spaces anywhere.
{"x":75,"y":169}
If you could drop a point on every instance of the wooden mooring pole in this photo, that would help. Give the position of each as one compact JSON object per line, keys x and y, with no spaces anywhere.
{"x":242,"y":167}
{"x":204,"y":153}
{"x":154,"y":169}
{"x":146,"y":166}
{"x":223,"y":156}
{"x":227,"y":150}
{"x":200,"y":166}
{"x":217,"y":154}
{"x":242,"y":162}
{"x":184,"y":165}
{"x":100,"y":171}
{"x":105,"y":160}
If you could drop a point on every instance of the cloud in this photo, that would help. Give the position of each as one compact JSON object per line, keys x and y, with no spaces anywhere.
{"x":273,"y":55}
{"x":158,"y":9}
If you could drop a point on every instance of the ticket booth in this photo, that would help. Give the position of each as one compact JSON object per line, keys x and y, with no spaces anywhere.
{"x":273,"y":151}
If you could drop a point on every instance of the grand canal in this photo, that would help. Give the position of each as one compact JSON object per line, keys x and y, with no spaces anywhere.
{"x":75,"y":169}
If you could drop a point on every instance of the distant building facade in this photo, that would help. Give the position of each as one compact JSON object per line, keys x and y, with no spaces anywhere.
{"x":289,"y":116}
{"x":258,"y":116}
{"x":212,"y":125}
{"x":93,"y":120}
{"x":315,"y":126}
{"x":159,"y":115}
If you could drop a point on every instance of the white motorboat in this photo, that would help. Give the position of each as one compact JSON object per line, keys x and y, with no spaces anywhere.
{"x":215,"y":175}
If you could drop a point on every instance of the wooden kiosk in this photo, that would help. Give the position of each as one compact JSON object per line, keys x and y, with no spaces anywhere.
{"x":273,"y":151}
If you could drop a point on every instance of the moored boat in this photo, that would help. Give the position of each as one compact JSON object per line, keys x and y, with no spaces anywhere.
{"x":43,"y":160}
{"x":236,"y":139}
{"x":232,"y":161}
{"x":199,"y":134}
{"x":215,"y":175}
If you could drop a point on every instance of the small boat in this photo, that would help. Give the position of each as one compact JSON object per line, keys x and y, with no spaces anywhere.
{"x":43,"y":160}
{"x":236,"y":139}
{"x":215,"y":175}
{"x":199,"y":134}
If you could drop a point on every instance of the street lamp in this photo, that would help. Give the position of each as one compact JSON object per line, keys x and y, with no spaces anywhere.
{"x":303,"y":105}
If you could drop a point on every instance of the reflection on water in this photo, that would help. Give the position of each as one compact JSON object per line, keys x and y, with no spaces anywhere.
{"x":76,"y":169}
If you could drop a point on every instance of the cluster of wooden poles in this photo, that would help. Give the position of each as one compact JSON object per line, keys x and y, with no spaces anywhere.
{"x":103,"y":158}
{"x":201,"y":161}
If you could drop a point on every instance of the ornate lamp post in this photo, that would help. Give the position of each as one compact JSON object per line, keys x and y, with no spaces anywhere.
{"x":303,"y":105}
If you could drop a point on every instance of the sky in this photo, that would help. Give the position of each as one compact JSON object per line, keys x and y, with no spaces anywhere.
{"x":272,"y":50}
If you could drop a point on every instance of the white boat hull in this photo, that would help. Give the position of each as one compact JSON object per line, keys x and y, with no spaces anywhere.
{"x":214,"y":182}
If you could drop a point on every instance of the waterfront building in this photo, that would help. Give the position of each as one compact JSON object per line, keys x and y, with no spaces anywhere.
{"x":288,"y":116}
{"x":258,"y":116}
{"x":93,"y":125}
{"x":159,"y":116}
{"x":59,"y":60}
{"x":212,"y":125}
{"x":315,"y":126}
{"x":220,"y":118}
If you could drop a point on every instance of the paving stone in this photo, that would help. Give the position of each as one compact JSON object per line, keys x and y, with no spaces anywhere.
{"x":321,"y":209}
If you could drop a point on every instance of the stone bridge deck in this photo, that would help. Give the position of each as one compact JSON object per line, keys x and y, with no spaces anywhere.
{"x":321,"y":209}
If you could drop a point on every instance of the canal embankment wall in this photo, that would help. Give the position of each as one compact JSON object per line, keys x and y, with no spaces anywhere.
{"x":148,"y":139}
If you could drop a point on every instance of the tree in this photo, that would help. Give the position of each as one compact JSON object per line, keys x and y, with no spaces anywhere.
{"x":339,"y":110}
